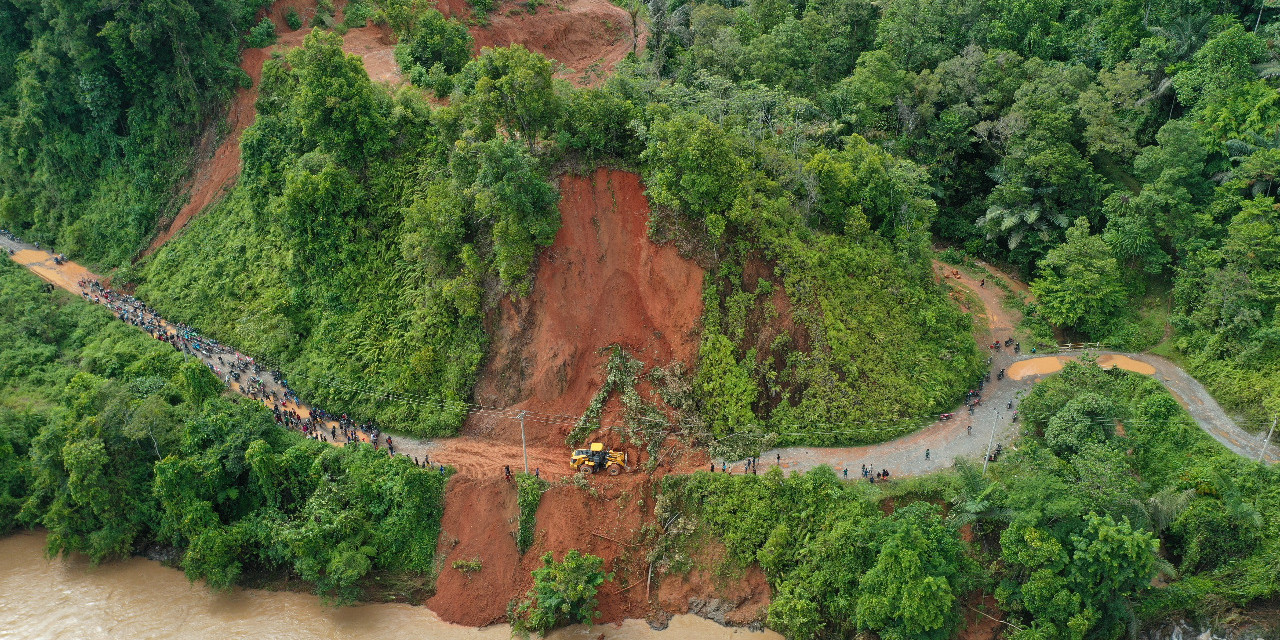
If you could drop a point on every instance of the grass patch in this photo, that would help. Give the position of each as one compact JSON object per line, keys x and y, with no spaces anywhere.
{"x":468,"y":566}
{"x":529,"y":490}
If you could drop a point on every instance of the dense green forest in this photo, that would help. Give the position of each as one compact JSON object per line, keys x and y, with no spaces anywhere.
{"x":100,"y":105}
{"x":114,"y":444}
{"x":1122,"y":156}
{"x":1150,"y":128}
{"x":1068,"y":530}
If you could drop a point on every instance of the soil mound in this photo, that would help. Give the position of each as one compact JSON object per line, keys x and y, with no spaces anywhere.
{"x":589,"y":37}
{"x":709,"y":591}
{"x":480,"y":521}
{"x":602,"y":282}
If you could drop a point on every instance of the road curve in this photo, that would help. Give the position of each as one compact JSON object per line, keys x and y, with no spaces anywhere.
{"x":971,"y":435}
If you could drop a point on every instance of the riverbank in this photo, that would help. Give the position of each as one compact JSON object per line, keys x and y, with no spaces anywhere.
{"x":139,"y":598}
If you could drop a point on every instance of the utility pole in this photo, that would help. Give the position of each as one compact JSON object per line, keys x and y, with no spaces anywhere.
{"x":1267,"y":440}
{"x":522,"y":445}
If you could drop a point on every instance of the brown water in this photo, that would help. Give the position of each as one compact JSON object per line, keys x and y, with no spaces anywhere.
{"x":1125,"y":362}
{"x":140,"y":599}
{"x":1036,"y":367}
{"x":1052,"y":364}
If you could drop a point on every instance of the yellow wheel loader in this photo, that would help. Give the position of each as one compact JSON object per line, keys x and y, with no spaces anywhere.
{"x":596,"y":457}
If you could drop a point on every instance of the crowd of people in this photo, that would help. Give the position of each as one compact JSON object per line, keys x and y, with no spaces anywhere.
{"x":253,"y":380}
{"x":244,"y":374}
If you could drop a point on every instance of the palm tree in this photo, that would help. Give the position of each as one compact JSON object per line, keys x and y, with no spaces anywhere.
{"x":976,"y":500}
{"x":1186,"y":33}
{"x":1165,"y":506}
{"x":1260,"y":174}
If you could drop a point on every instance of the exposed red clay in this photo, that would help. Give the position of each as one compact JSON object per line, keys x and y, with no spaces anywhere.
{"x":575,"y":33}
{"x":601,"y":283}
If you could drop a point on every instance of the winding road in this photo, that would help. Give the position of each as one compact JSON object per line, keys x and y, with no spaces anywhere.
{"x":992,"y":422}
{"x":966,"y":435}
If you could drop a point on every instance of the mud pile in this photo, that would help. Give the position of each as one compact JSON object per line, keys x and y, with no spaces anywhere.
{"x":575,"y":33}
{"x":480,"y":521}
{"x":601,"y":283}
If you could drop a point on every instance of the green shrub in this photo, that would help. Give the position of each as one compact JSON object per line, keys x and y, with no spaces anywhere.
{"x":356,"y":15}
{"x":563,"y":593}
{"x":952,"y":255}
{"x":433,"y":40}
{"x":293,"y":20}
{"x":261,"y":35}
{"x":529,"y":490}
{"x":468,"y":566}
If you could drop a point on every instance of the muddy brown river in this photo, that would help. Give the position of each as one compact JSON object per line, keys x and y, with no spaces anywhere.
{"x":140,"y":599}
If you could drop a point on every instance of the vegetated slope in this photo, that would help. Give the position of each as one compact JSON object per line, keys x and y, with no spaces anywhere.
{"x":215,"y":172}
{"x":578,"y":34}
{"x":115,"y":442}
{"x":111,"y":100}
{"x":603,"y":282}
{"x":356,"y":246}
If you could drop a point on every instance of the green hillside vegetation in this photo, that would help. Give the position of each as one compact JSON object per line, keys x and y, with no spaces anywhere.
{"x":112,"y":442}
{"x":364,"y":243}
{"x":827,"y":140}
{"x":1121,"y":156}
{"x":1068,"y":529}
{"x":1157,"y":123}
{"x":367,"y":235}
{"x":100,"y":107}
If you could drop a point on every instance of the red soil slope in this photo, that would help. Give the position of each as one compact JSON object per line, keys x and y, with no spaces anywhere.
{"x":576,"y":33}
{"x":480,"y":521}
{"x":601,"y":283}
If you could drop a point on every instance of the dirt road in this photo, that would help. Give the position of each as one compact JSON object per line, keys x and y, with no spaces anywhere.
{"x":972,"y":435}
{"x":965,"y":435}
{"x":472,"y":457}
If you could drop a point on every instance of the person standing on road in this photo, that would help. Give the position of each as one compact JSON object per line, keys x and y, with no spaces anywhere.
{"x":926,"y":454}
